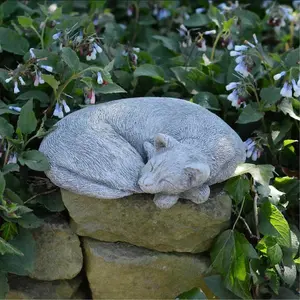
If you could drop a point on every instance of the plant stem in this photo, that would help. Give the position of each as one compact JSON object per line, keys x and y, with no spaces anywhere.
{"x":255,"y":211}
{"x":239,"y":215}
{"x":39,"y":36}
{"x":43,"y":32}
{"x":215,"y":45}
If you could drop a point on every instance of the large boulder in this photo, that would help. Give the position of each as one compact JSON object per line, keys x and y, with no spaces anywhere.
{"x":186,"y":227}
{"x":27,"y":288}
{"x":58,"y":251}
{"x":124,"y":271}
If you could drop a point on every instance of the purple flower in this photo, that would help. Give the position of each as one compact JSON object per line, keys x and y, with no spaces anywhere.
{"x":279,"y":75}
{"x":99,"y":78}
{"x":199,"y":10}
{"x":58,"y":111}
{"x":242,"y":69}
{"x":22,"y":81}
{"x":232,"y":85}
{"x":16,"y":88}
{"x":66,"y":107}
{"x":47,"y":68}
{"x":286,"y":90}
{"x":15,"y":108}
{"x":163,"y":14}
{"x":32,"y":53}
{"x":57,"y":35}
{"x":240,"y":48}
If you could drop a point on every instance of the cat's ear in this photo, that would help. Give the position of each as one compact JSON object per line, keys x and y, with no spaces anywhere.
{"x":149,"y":149}
{"x":197,"y":172}
{"x":162,"y":141}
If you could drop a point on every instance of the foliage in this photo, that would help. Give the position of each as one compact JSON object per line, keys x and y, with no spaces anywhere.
{"x":239,"y":61}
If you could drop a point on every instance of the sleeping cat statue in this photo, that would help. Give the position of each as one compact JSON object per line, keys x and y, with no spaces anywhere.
{"x":168,"y":147}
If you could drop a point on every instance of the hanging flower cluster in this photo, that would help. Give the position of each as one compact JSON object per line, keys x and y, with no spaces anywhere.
{"x":160,"y":13}
{"x":253,"y":149}
{"x":288,"y":87}
{"x":131,"y":53}
{"x":30,"y":69}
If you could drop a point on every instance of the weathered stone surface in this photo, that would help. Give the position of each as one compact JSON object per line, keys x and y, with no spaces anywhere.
{"x":27,"y":288}
{"x":123,"y":271}
{"x":59,"y":255}
{"x":186,"y":227}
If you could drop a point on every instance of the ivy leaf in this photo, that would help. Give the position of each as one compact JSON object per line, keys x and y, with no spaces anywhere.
{"x":6,"y":129}
{"x":4,"y":287}
{"x":249,"y":114}
{"x":148,"y":70}
{"x":27,"y":121}
{"x":13,"y":42}
{"x":270,"y":95}
{"x":237,"y":187}
{"x":6,"y":247}
{"x":207,"y":100}
{"x":70,"y":57}
{"x":53,"y":202}
{"x":197,"y":20}
{"x":35,"y":160}
{"x":51,"y":81}
{"x":25,"y":21}
{"x":273,"y":223}
{"x":20,"y":265}
{"x":273,"y":280}
{"x":287,"y":271}
{"x":260,"y":173}
{"x":287,"y":108}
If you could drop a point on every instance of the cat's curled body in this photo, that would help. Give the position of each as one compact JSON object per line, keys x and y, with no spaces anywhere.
{"x":164,"y":146}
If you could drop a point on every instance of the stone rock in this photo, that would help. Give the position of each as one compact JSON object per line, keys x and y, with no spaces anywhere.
{"x":124,"y":271}
{"x":186,"y":227}
{"x":27,"y":288}
{"x":59,"y":255}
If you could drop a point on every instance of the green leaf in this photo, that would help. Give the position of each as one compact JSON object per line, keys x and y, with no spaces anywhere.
{"x":297,"y":261}
{"x":194,"y":293}
{"x":20,"y":265}
{"x":51,"y":81}
{"x":25,"y":21}
{"x":249,"y":114}
{"x":216,"y":285}
{"x":27,"y":121}
{"x":269,"y":246}
{"x":2,"y":184}
{"x":215,"y":15}
{"x":170,"y":43}
{"x":260,"y":173}
{"x":6,"y":129}
{"x":230,"y":257}
{"x":287,"y":271}
{"x":273,"y":223}
{"x":237,"y":187}
{"x":207,"y":100}
{"x":196,"y":20}
{"x":227,"y":24}
{"x":53,"y":202}
{"x":110,"y":88}
{"x":152,"y":71}
{"x":29,"y":220}
{"x":12,"y":196}
{"x":287,"y":108}
{"x":10,"y":168}
{"x":273,"y":280}
{"x":12,"y":42}
{"x":292,"y":59}
{"x":6,"y":247}
{"x":70,"y":58}
{"x":9,"y":230}
{"x":289,"y":142}
{"x":247,"y":18}
{"x":35,"y":160}
{"x":270,"y":95}
{"x":275,"y":195}
{"x":4,"y":287}
{"x":35,"y":94}
{"x":284,"y":293}
{"x":279,"y":130}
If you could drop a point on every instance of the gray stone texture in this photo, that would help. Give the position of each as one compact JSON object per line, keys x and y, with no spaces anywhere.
{"x":27,"y":288}
{"x":123,"y":271}
{"x":186,"y":227}
{"x":59,"y":255}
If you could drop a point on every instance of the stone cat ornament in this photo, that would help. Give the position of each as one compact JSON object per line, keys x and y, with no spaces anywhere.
{"x":164,"y":146}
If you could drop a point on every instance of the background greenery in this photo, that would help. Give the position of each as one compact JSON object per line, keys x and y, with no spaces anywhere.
{"x":140,"y":51}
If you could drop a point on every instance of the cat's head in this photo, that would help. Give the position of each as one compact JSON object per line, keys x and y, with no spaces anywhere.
{"x":172,"y":168}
